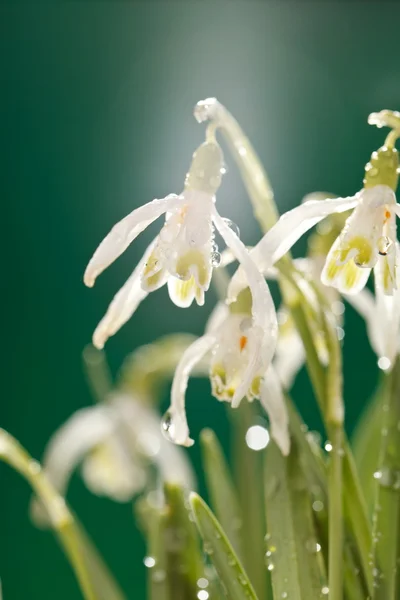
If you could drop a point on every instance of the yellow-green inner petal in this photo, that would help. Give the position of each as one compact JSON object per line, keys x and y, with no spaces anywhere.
{"x":363,"y":247}
{"x":193,"y":258}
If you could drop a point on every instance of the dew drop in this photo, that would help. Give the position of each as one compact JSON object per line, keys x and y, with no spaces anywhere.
{"x":325,"y":590}
{"x":168,"y":427}
{"x":384,"y":363}
{"x":284,"y":595}
{"x":203,"y":595}
{"x":158,"y":576}
{"x":202,"y":582}
{"x":257,"y":437}
{"x":328,"y":446}
{"x":271,"y":567}
{"x":384,"y":245}
{"x":231,"y":560}
{"x":232,"y":226}
{"x":34,"y":467}
{"x":149,"y":561}
{"x":215,"y":259}
{"x":317,"y":505}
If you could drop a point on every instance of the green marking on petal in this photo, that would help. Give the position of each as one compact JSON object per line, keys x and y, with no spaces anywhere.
{"x":243,"y":303}
{"x":193,"y":258}
{"x":351,"y":274}
{"x":363,"y":247}
{"x":332,"y":267}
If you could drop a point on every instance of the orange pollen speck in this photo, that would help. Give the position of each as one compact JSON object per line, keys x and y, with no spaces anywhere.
{"x":243,"y":342}
{"x":387,"y":215}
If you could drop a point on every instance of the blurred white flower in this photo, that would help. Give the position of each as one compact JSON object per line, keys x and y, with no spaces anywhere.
{"x":114,"y":443}
{"x":182,"y":255}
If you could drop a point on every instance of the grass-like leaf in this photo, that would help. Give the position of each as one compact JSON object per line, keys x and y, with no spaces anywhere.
{"x":248,"y":470}
{"x":184,"y":558}
{"x":221,"y":488}
{"x":292,"y":553}
{"x":216,"y":544}
{"x":366,"y":442}
{"x":386,"y":517}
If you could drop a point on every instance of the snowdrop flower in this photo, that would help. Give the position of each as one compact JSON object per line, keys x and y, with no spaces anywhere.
{"x":382,"y":316}
{"x":182,"y":255}
{"x":114,"y":443}
{"x":242,"y":340}
{"x":290,"y":355}
{"x":367,"y":239}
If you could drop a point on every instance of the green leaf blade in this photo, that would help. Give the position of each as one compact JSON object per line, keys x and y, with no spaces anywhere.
{"x":216,"y":544}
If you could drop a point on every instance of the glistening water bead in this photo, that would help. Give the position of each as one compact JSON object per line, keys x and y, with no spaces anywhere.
{"x":168,"y":427}
{"x":233,"y":226}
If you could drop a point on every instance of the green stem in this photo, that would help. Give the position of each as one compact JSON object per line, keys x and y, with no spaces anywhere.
{"x":60,"y":517}
{"x":335,"y":516}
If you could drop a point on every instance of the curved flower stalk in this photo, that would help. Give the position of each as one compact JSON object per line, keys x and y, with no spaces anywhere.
{"x":242,"y":340}
{"x":367,"y":239}
{"x":114,"y":443}
{"x":182,"y":255}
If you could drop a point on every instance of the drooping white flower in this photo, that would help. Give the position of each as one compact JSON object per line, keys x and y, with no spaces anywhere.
{"x":182,"y":255}
{"x":382,"y":315}
{"x":367,"y":239}
{"x":242,"y":340}
{"x":114,"y":443}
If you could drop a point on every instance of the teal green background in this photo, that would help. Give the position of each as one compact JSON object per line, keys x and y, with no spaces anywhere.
{"x":96,"y":119}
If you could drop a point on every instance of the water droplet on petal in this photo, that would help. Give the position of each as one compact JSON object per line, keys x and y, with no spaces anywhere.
{"x":203,"y":595}
{"x":168,"y":427}
{"x":232,"y":226}
{"x":384,"y":363}
{"x":384,"y":245}
{"x":215,"y":259}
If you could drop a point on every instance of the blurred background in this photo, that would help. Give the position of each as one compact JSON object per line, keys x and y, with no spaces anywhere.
{"x":96,"y":119}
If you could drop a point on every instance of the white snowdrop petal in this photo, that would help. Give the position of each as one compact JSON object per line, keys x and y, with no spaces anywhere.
{"x":365,"y":304}
{"x":217,"y":317}
{"x":287,"y":231}
{"x":144,"y":425}
{"x":124,"y":232}
{"x":265,"y":325}
{"x":289,"y":357}
{"x":273,"y":401}
{"x":123,"y":305}
{"x":84,"y":430}
{"x":190,"y":358}
{"x":397,"y":209}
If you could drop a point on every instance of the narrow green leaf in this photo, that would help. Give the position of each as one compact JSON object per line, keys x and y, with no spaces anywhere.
{"x":216,"y":544}
{"x":221,"y":488}
{"x":386,"y":518}
{"x":184,"y":558}
{"x":105,"y":584}
{"x":293,"y":559}
{"x":248,"y":467}
{"x":156,"y":560}
{"x":366,"y":442}
{"x":315,"y":473}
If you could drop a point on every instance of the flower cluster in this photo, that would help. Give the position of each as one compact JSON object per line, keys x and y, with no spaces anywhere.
{"x":253,"y":353}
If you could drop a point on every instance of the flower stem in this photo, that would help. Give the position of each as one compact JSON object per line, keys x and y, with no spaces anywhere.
{"x":61,"y":518}
{"x":335,"y":515}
